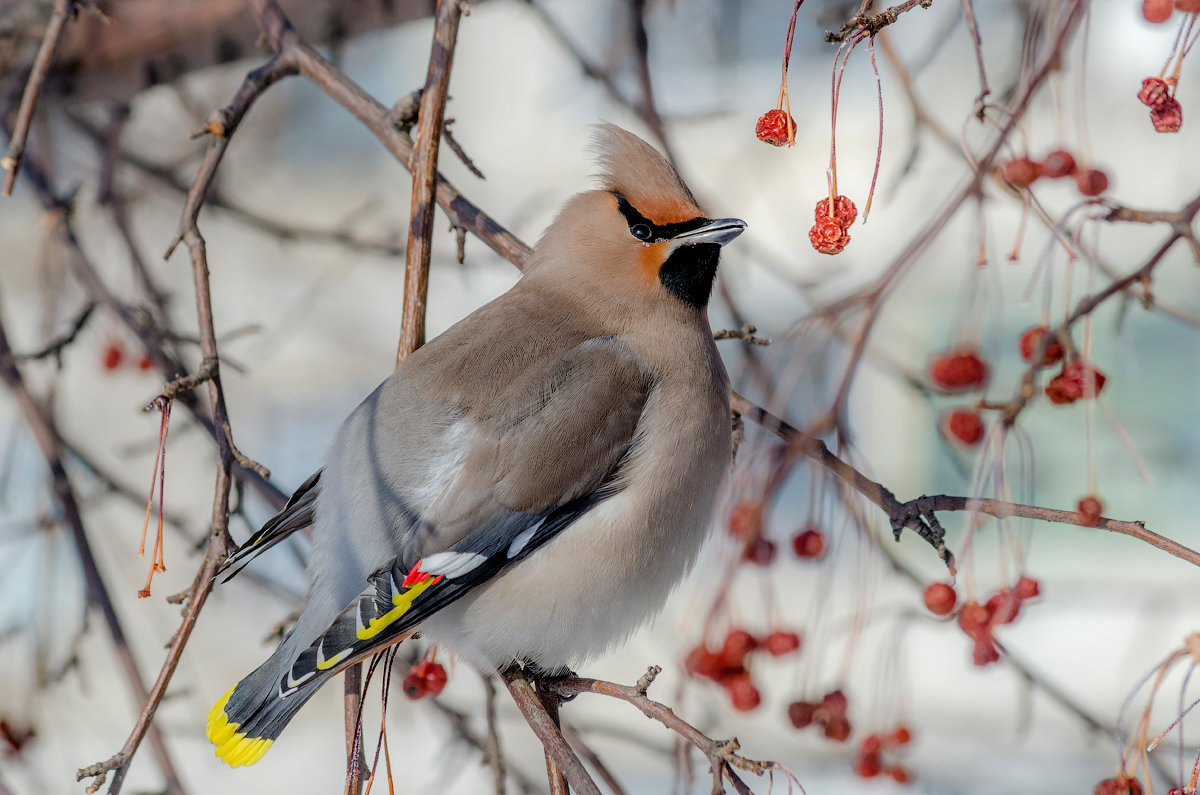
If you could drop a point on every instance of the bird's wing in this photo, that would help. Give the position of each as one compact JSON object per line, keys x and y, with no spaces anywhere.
{"x":296,"y":515}
{"x":548,"y":450}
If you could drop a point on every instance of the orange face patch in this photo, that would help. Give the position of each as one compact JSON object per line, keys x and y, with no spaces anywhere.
{"x":650,"y":261}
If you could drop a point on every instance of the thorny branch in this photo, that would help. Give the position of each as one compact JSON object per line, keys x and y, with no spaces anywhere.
{"x":873,"y":24}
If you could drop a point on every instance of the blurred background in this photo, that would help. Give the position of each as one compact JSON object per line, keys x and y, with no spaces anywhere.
{"x":305,"y":236}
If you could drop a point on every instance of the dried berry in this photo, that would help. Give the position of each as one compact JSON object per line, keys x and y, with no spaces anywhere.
{"x":974,"y":619}
{"x":760,"y":552}
{"x":1003,"y":607}
{"x":1058,"y":164}
{"x":835,"y":703}
{"x":837,"y":729}
{"x":1022,"y":172}
{"x":776,"y":127}
{"x":1154,"y":91}
{"x":1167,"y":116}
{"x":1188,"y":6}
{"x":828,"y":237}
{"x":940,"y":599}
{"x":738,"y":643}
{"x":1157,"y":11}
{"x":985,"y":651}
{"x":702,"y":661}
{"x":901,"y":736}
{"x":1091,"y":181}
{"x":867,"y":766}
{"x":899,"y":775}
{"x":809,"y":544}
{"x":1077,"y":380}
{"x":844,"y":211}
{"x":1027,"y":588}
{"x":1120,"y":784}
{"x":1088,"y":510}
{"x":743,"y":694}
{"x":960,"y":370}
{"x":801,"y":713}
{"x":779,"y":643}
{"x":1034,"y":338}
{"x":964,"y":425}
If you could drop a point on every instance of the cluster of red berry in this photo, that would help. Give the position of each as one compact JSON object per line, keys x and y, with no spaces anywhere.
{"x":1166,"y":114}
{"x":829,"y":233}
{"x":776,"y":127}
{"x":1077,"y":380}
{"x":979,"y":621}
{"x":425,"y":678}
{"x":727,"y":666}
{"x":1023,"y":172}
{"x":869,"y":761}
{"x":954,"y":371}
{"x":829,"y":714}
{"x":114,"y":355}
{"x":1122,"y":784}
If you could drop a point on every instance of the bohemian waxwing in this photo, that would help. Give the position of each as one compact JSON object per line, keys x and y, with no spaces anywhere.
{"x":529,"y":486}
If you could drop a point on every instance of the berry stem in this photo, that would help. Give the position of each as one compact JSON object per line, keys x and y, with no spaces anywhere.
{"x":879,"y":139}
{"x":846,"y":47}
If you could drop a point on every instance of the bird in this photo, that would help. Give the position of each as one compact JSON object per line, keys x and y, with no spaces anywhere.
{"x":529,"y":486}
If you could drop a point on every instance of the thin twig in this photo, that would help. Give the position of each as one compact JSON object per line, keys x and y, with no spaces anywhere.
{"x":551,"y":738}
{"x":11,"y":162}
{"x":491,"y":750}
{"x":55,"y":347}
{"x":424,"y":177}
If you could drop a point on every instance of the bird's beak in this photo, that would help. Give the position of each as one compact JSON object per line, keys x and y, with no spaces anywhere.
{"x":719,"y":231}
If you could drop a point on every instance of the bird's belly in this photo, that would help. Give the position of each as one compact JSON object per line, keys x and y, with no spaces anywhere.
{"x":584,"y":592}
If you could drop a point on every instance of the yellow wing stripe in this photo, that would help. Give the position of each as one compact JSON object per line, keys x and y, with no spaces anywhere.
{"x":234,"y":747}
{"x":402,"y":602}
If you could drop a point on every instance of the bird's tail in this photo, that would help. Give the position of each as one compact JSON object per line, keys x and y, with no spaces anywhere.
{"x":248,"y":718}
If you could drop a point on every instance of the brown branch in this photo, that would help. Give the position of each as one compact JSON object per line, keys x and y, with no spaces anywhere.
{"x":551,"y":738}
{"x":430,"y":119}
{"x":282,"y":37}
{"x":722,"y":754}
{"x":11,"y":162}
{"x":51,"y":445}
{"x":873,"y":24}
{"x":550,"y":702}
{"x":646,"y":107}
{"x":968,"y":7}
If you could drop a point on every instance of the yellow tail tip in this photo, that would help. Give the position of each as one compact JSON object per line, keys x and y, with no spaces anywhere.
{"x":233,"y":747}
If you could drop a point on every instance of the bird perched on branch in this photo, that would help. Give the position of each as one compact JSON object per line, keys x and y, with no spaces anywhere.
{"x":529,"y":486}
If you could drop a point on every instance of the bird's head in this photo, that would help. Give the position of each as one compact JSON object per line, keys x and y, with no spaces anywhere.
{"x":641,"y":231}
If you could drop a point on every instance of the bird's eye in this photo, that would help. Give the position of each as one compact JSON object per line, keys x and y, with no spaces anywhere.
{"x":641,"y":231}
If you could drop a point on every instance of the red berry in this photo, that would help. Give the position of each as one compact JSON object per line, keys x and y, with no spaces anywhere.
{"x":809,"y":544}
{"x":760,"y":552}
{"x":899,"y":775}
{"x":828,"y":237}
{"x":1035,"y":337}
{"x":801,"y":713}
{"x":1175,"y":791}
{"x":1188,"y":6}
{"x":959,"y":370}
{"x":700,"y":661}
{"x":835,"y":703}
{"x":1120,"y":784}
{"x":414,"y":686}
{"x":1058,"y":164}
{"x":901,"y":736}
{"x":985,"y":652}
{"x":743,"y":694}
{"x":1027,"y":588}
{"x":1154,"y":91}
{"x":871,"y":745}
{"x":112,"y":356}
{"x":145,"y":363}
{"x":837,"y":729}
{"x":964,"y":425}
{"x":940,"y":599}
{"x":1167,"y":116}
{"x":776,"y":127}
{"x":1091,"y":181}
{"x":866,"y":766}
{"x":1022,"y":172}
{"x":435,"y":677}
{"x":1004,"y":607}
{"x":1077,"y":380}
{"x":1156,"y":10}
{"x":779,"y":643}
{"x":738,"y":643}
{"x":1089,"y":509}
{"x":844,"y":211}
{"x":973,"y":619}
{"x":745,"y":521}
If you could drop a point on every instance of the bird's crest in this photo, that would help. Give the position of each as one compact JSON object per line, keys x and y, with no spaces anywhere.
{"x":635,"y":169}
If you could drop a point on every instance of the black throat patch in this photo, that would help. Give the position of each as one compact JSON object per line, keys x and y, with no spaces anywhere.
{"x":689,"y":272}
